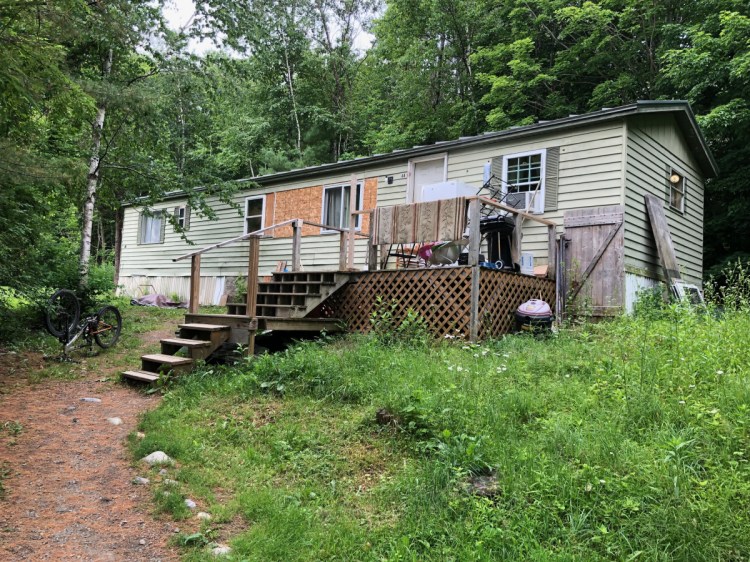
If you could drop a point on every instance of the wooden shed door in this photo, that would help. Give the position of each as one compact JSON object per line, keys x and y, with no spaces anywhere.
{"x":594,"y":259}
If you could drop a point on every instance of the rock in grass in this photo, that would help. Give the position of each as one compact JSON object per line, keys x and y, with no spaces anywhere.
{"x":115,"y":421}
{"x":484,"y":485}
{"x":386,"y":417}
{"x":170,"y":482}
{"x":157,"y":457}
{"x":221,"y":550}
{"x":140,"y":480}
{"x":190,"y":504}
{"x":140,"y":435}
{"x":94,"y":400}
{"x":204,"y":516}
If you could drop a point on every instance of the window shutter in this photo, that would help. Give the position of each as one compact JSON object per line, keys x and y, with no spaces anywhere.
{"x":163,"y":217}
{"x":496,"y":168}
{"x":140,"y":229}
{"x":551,"y":178}
{"x":187,"y":217}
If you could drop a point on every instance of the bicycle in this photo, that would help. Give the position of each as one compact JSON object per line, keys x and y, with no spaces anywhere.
{"x":63,"y":321}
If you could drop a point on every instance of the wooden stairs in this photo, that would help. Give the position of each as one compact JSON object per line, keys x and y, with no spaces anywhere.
{"x":282,"y":305}
{"x":293,"y":294}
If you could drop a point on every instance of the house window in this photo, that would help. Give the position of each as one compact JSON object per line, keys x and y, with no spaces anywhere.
{"x":182,"y":217}
{"x":152,"y":227}
{"x":254,"y":208}
{"x":336,"y":203}
{"x":523,"y":180}
{"x":425,"y":171}
{"x":677,"y":191}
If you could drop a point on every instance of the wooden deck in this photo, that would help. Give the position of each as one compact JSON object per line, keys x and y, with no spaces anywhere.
{"x":441,"y":296}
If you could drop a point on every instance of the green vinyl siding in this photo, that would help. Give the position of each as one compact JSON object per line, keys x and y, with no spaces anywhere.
{"x":654,"y":146}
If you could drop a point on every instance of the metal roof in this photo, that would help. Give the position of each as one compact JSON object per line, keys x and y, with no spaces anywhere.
{"x":679,"y":108}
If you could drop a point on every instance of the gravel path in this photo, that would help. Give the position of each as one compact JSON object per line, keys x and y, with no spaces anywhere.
{"x":66,"y":473}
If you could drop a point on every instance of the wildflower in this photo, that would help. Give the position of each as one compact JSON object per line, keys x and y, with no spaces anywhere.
{"x":692,"y":386}
{"x":484,"y":352}
{"x":506,"y":355}
{"x":459,"y":368}
{"x":450,"y":367}
{"x":681,"y":402}
{"x":588,"y":487}
{"x":476,"y":355}
{"x":720,"y":372}
{"x":602,"y":481}
{"x":465,"y":347}
{"x":449,"y":337}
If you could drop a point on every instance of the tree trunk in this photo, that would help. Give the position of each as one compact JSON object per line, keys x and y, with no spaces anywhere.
{"x":93,"y":182}
{"x":118,"y":243}
{"x":290,"y":82}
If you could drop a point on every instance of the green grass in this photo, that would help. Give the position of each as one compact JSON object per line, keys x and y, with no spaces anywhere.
{"x":628,"y":440}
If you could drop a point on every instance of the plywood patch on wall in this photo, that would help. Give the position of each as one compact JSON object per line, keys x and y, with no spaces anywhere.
{"x":305,"y":203}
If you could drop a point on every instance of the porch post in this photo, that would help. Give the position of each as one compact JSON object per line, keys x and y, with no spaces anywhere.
{"x":474,"y":241}
{"x":195,"y":284}
{"x":551,"y":251}
{"x":352,"y":221}
{"x":342,"y":250}
{"x":372,"y":249}
{"x":252,"y":287}
{"x":296,"y":245}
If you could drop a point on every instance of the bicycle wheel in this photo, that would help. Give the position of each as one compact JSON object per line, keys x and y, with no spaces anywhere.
{"x":108,"y":326}
{"x":61,"y":313}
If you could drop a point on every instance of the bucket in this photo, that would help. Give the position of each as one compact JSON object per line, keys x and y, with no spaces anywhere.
{"x":527,"y":263}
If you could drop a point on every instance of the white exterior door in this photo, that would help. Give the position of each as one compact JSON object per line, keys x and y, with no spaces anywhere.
{"x":424,"y":171}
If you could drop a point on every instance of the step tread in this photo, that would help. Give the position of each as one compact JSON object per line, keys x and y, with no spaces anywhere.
{"x":167,"y":359}
{"x":145,"y":376}
{"x":204,"y":327}
{"x":285,"y":295}
{"x":186,"y":342}
{"x":282,"y":282}
{"x":274,"y":305}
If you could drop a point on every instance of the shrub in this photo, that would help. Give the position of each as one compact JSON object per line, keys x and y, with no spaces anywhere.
{"x":731,"y":288}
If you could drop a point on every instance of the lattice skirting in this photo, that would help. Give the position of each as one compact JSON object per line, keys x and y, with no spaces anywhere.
{"x":439,"y":295}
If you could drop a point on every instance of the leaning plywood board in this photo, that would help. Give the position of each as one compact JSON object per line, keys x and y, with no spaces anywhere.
{"x":663,"y":239}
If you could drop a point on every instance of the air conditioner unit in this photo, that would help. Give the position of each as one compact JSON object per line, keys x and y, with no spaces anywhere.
{"x":525,"y":200}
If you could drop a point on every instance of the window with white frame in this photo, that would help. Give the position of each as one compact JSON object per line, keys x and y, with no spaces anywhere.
{"x":677,"y":191}
{"x":523,"y":180}
{"x":336,"y":205}
{"x":182,"y":217}
{"x":152,"y":227}
{"x":254,"y":210}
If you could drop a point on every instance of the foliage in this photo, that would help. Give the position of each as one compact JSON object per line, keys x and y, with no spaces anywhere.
{"x":731,"y":288}
{"x":296,"y":91}
{"x":410,"y":330}
{"x":618,"y":440}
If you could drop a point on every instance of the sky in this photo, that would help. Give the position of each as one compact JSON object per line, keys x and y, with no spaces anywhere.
{"x":179,"y":14}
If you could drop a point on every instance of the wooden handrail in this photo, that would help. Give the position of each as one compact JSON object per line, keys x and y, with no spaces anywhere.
{"x":233,"y":240}
{"x":262,"y":231}
{"x":493,"y":203}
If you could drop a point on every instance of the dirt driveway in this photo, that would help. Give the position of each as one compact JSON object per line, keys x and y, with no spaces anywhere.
{"x":66,"y":477}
